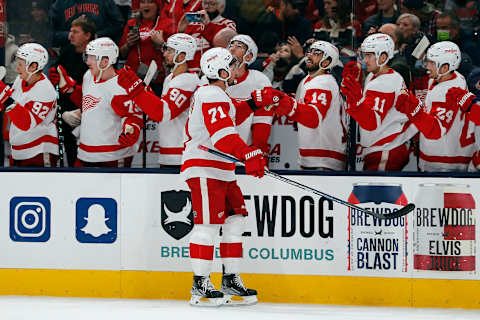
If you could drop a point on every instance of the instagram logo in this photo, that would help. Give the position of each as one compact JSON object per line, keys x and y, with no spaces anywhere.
{"x":30,"y":219}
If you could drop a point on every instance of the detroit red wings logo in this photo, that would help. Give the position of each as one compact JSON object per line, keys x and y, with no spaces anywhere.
{"x":89,"y":102}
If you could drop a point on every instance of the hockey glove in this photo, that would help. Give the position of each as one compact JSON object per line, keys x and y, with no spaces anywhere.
{"x":66,"y":83}
{"x":254,"y":161}
{"x":266,"y":97}
{"x":73,"y":118}
{"x":352,"y":69}
{"x":130,"y":134}
{"x":5,"y":93}
{"x":287,"y":106}
{"x":53,"y":76}
{"x":460,"y":97}
{"x":352,"y":90}
{"x":128,"y":80}
{"x":409,"y":104}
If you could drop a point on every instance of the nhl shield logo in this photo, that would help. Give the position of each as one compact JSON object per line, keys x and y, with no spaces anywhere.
{"x":177,"y":213}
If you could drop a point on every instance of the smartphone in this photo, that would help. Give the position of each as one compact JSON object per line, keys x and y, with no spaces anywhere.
{"x":133,"y":29}
{"x":193,"y":17}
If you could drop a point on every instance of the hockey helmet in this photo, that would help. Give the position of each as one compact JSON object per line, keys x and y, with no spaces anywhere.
{"x":33,"y":52}
{"x":182,"y":42}
{"x":216,"y":59}
{"x":379,"y":43}
{"x":251,"y":46}
{"x":329,"y":51}
{"x":103,"y":47}
{"x":444,"y":52}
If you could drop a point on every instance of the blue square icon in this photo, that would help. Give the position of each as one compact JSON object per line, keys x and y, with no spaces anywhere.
{"x":96,"y":220}
{"x":30,"y":219}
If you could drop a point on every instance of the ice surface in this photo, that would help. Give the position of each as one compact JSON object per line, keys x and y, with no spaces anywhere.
{"x":40,"y":308}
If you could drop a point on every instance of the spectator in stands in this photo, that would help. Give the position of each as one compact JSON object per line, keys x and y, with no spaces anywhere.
{"x":448,"y":28}
{"x":427,"y":14}
{"x":398,"y":62}
{"x":387,"y":13}
{"x":125,"y":7}
{"x":204,"y":31}
{"x":409,"y":25}
{"x":365,"y":9}
{"x":176,"y":9}
{"x":468,"y":12}
{"x":473,"y":82}
{"x":143,"y":39}
{"x":70,"y":59}
{"x":336,"y":27}
{"x":285,"y":22}
{"x":104,"y":13}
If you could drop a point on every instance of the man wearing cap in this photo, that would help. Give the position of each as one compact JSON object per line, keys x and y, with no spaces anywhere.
{"x":425,"y":11}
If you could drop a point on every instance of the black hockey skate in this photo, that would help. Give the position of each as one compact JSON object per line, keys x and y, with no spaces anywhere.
{"x":232,"y":286}
{"x":204,"y":293}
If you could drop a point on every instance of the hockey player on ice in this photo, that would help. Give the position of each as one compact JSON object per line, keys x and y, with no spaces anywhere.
{"x":212,"y":181}
{"x":255,"y":130}
{"x":171,"y":109}
{"x":318,"y":109}
{"x":384,"y":131}
{"x":111,"y":122}
{"x":31,"y":107}
{"x":447,"y":136}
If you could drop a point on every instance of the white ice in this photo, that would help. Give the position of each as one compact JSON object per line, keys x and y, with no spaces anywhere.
{"x":43,"y":308}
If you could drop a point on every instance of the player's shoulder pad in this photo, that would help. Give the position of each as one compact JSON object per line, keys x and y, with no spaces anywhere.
{"x":260,"y":78}
{"x":211,"y":94}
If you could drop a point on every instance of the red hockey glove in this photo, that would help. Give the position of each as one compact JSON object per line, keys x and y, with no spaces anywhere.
{"x":460,"y":97}
{"x":254,"y":161}
{"x":409,"y":104}
{"x":287,"y":106}
{"x":66,"y":83}
{"x":352,"y":90}
{"x":266,"y":97}
{"x":130,"y":134}
{"x":5,"y":93}
{"x":53,"y":76}
{"x":128,"y":80}
{"x":352,"y":69}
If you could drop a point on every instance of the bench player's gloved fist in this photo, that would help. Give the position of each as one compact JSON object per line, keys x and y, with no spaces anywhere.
{"x":5,"y":93}
{"x":286,"y":106}
{"x":351,"y":89}
{"x":266,"y":97}
{"x":254,"y":161}
{"x":65,"y":83}
{"x":408,"y":103}
{"x":463,"y":98}
{"x":128,"y":80}
{"x":130,"y":134}
{"x":53,"y":76}
{"x":352,"y":69}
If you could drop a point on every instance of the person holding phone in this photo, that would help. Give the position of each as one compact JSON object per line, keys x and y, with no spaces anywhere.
{"x":143,"y":39}
{"x":204,"y":25}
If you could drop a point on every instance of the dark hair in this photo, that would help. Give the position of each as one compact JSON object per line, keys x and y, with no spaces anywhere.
{"x":454,"y":21}
{"x":87,"y":25}
{"x":342,"y":13}
{"x":298,"y":4}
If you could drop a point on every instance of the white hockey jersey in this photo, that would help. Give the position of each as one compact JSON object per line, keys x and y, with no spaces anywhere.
{"x":241,"y":90}
{"x":211,"y":118}
{"x":105,"y":107}
{"x":33,"y":117}
{"x":324,"y":146}
{"x":454,"y":149}
{"x":176,"y":96}
{"x":382,"y":126}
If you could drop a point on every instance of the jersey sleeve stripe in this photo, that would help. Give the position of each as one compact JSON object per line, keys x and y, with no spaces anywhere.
{"x":222,"y":133}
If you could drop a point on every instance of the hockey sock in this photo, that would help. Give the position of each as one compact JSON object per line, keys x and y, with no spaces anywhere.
{"x":202,"y":248}
{"x":231,"y":249}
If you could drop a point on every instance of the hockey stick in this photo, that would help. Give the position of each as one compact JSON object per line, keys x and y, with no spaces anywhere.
{"x":152,"y":69}
{"x":399,"y":213}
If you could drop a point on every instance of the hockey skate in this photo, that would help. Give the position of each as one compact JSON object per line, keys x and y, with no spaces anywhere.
{"x":235,"y":291}
{"x":204,"y":293}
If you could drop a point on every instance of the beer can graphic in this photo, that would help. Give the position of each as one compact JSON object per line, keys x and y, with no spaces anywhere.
{"x":444,"y":228}
{"x":374,"y":245}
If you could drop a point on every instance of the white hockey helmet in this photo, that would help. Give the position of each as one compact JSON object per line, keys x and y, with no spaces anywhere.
{"x":214,"y":60}
{"x":182,"y":42}
{"x":251,"y":46}
{"x":379,"y":43}
{"x":33,"y":52}
{"x":329,"y":51}
{"x":103,"y":47}
{"x":444,"y":52}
